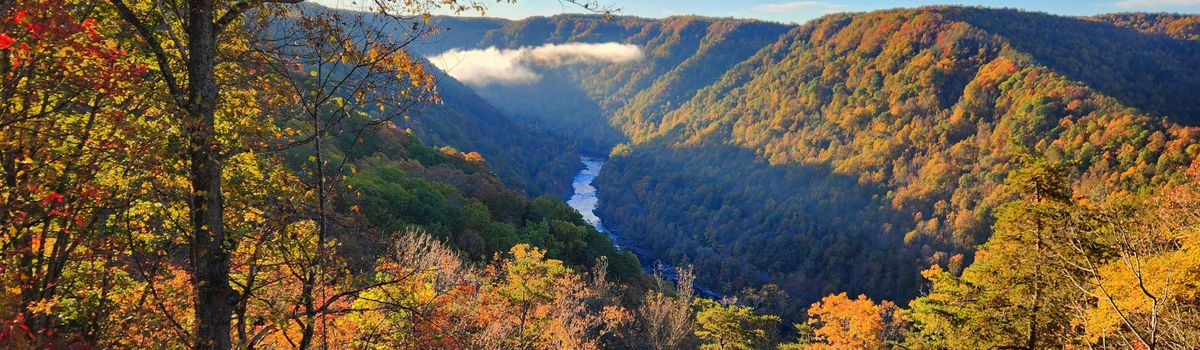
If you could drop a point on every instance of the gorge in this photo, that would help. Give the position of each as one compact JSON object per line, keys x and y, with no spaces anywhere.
{"x":328,"y":174}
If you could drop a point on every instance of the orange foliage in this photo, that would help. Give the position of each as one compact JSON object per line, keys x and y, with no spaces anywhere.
{"x":843,"y":323}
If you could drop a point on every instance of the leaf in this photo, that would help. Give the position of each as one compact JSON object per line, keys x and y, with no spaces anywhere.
{"x":6,"y":41}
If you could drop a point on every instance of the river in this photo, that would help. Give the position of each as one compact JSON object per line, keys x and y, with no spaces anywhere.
{"x":584,"y":199}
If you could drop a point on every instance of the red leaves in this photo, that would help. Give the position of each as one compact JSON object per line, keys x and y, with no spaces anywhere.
{"x":15,"y":331}
{"x":18,"y":17}
{"x":6,"y":41}
{"x":52,"y":37}
{"x":89,"y":25}
{"x":53,"y":198}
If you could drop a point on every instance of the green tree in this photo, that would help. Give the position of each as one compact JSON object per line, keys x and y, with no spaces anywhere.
{"x":1016,"y":294}
{"x":724,"y":325}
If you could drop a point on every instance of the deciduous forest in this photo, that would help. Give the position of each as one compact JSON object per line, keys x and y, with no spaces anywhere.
{"x":278,"y":174}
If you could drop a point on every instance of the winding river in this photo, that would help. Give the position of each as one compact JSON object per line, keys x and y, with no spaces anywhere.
{"x":584,"y":199}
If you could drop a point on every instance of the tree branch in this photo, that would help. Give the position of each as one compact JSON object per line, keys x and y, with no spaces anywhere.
{"x":164,"y":64}
{"x":241,"y":7}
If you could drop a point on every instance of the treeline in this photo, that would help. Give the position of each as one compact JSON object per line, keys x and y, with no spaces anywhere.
{"x":1178,"y":26}
{"x":596,"y":103}
{"x":861,"y":148}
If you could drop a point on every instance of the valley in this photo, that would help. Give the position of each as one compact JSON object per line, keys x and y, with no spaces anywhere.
{"x":585,"y":199}
{"x":758,"y":175}
{"x":845,"y":154}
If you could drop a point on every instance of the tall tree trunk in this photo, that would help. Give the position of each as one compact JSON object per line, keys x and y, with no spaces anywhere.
{"x":210,"y":249}
{"x":310,"y":282}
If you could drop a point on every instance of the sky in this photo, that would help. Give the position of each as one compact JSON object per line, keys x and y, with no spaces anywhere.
{"x":798,"y":11}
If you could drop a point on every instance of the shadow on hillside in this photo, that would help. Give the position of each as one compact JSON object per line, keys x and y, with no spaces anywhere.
{"x":523,"y":157}
{"x":1152,"y":73}
{"x":556,"y":104}
{"x":744,"y":222}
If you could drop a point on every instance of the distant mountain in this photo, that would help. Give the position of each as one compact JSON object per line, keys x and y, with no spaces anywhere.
{"x":860,"y":148}
{"x":1177,"y":26}
{"x":588,"y":102}
{"x":457,"y":33}
{"x":525,"y":158}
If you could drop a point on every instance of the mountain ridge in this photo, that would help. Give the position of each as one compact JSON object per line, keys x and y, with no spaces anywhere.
{"x":973,"y":72}
{"x":935,"y":90}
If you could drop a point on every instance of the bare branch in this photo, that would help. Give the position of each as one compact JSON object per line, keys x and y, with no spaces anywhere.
{"x":241,"y":7}
{"x":164,"y":64}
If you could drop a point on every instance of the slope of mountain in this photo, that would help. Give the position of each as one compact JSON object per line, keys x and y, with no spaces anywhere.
{"x":1183,"y":27}
{"x":524,"y":158}
{"x":861,"y":148}
{"x":682,"y":54}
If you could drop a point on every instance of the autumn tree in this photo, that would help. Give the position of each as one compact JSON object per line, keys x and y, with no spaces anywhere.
{"x":665,"y":318}
{"x":189,"y":43}
{"x":425,"y":299}
{"x":1146,"y":248}
{"x":839,"y":322}
{"x":72,"y":157}
{"x":538,"y":303}
{"x":335,"y":64}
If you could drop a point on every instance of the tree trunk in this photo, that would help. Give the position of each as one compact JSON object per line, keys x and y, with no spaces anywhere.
{"x":214,"y":299}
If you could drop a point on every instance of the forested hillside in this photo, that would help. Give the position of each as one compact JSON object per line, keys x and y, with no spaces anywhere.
{"x":205,"y":174}
{"x":525,"y":158}
{"x":682,"y":54}
{"x":860,"y":148}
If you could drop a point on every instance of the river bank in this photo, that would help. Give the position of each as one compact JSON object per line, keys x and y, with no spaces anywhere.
{"x":585,"y":199}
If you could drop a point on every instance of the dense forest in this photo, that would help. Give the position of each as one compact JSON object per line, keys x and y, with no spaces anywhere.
{"x":885,"y":137}
{"x":769,"y":157}
{"x":263,"y":174}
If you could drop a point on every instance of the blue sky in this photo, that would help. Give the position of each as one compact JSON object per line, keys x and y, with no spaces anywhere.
{"x":803,"y":10}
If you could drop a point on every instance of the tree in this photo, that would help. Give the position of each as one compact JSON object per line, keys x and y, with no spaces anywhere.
{"x":66,"y":92}
{"x":538,"y":303}
{"x":206,"y":26}
{"x":1149,"y":249}
{"x":725,"y":325}
{"x":425,"y":299}
{"x":842,"y":323}
{"x":197,"y":97}
{"x":355,"y":61}
{"x":666,"y":320}
{"x":1017,"y":293}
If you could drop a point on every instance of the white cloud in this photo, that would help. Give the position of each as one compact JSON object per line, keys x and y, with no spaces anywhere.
{"x":801,"y":6}
{"x":510,"y":67}
{"x":1130,"y":4}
